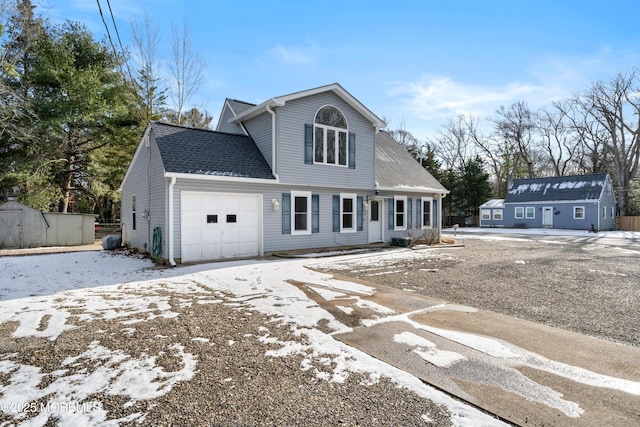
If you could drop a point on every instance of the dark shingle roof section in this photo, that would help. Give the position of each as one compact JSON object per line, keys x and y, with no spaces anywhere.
{"x":207,"y":152}
{"x":557,"y":188}
{"x":396,"y":168}
{"x":239,"y":106}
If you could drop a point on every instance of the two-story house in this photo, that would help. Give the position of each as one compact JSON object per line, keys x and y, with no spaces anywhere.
{"x":306,"y":170}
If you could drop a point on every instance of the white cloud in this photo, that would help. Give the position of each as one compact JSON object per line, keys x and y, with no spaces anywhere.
{"x":442,"y":97}
{"x":295,"y":55}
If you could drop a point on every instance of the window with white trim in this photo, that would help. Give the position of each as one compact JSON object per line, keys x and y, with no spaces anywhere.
{"x":330,"y":133}
{"x":300,"y":212}
{"x":604,"y":212}
{"x":347,"y":213}
{"x":613,"y":212}
{"x":133,"y":212}
{"x":578,"y":212}
{"x":497,"y":214}
{"x":519,"y":214}
{"x":530,"y":212}
{"x":427,"y":202}
{"x":400,"y":204}
{"x":485,"y":214}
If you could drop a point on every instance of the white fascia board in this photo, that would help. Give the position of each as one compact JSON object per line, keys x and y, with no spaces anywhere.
{"x":555,"y":202}
{"x":201,"y":177}
{"x":254,"y":111}
{"x":334,"y":87}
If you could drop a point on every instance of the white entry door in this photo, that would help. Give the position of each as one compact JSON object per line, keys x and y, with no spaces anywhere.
{"x":375,"y":220}
{"x":216,"y":226}
{"x":547,"y":217}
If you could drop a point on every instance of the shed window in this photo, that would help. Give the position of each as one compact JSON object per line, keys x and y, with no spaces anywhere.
{"x":212,"y":219}
{"x":519,"y":214}
{"x":485,"y":214}
{"x":232,"y":218}
{"x":530,"y":212}
{"x":578,"y":212}
{"x":497,"y":214}
{"x":604,"y":212}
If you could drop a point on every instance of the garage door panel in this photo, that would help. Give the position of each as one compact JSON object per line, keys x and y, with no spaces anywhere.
{"x":235,"y":234}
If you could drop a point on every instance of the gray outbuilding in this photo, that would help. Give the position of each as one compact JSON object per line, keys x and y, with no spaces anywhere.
{"x":21,"y":226}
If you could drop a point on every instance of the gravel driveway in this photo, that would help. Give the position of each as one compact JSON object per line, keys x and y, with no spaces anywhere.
{"x":586,"y":288}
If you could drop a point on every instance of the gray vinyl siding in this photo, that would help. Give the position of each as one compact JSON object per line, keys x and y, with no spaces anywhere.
{"x":273,"y":238}
{"x":562,"y":217}
{"x":145,"y":176}
{"x":414,"y":231}
{"x":290,"y":136}
{"x":225,"y":126}
{"x":259,"y":129}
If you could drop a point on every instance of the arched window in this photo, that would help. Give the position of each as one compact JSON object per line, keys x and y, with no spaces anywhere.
{"x":330,"y":137}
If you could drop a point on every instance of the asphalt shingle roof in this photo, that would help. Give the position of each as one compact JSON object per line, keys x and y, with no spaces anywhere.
{"x":207,"y":152}
{"x":239,"y":106}
{"x":396,"y":168}
{"x":557,"y":188}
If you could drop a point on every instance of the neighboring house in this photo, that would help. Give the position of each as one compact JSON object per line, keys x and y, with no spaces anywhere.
{"x":581,"y":202}
{"x":492,"y":213}
{"x":306,"y":170}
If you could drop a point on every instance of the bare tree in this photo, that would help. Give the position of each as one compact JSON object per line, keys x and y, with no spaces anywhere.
{"x":187,"y":69}
{"x":149,"y":84}
{"x":559,"y":141}
{"x":456,"y":141}
{"x":516,"y":125}
{"x":615,"y":105}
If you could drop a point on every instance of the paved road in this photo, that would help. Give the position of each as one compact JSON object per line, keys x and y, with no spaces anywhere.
{"x":628,"y":242}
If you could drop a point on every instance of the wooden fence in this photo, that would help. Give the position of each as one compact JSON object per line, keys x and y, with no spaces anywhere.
{"x":628,"y":223}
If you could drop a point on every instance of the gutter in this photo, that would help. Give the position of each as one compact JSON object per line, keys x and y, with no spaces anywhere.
{"x":274,"y":157}
{"x":172,"y":183}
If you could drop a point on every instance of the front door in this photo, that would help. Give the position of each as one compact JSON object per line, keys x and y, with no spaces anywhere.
{"x":375,"y":220}
{"x":547,"y":217}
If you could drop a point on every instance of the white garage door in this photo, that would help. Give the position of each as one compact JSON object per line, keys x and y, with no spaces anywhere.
{"x":216,"y":226}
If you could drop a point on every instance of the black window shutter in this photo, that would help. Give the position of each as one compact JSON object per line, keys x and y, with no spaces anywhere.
{"x":360,"y":213}
{"x":418,"y":213}
{"x":308,"y":144}
{"x":315,"y":213}
{"x":286,"y":213}
{"x":409,"y":213}
{"x":352,"y":150}
{"x":336,"y":213}
{"x":390,"y":217}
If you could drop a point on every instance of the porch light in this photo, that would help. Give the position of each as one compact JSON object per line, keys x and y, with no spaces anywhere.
{"x":275,"y":205}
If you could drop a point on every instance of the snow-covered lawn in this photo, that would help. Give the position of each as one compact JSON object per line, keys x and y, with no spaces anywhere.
{"x":44,"y":296}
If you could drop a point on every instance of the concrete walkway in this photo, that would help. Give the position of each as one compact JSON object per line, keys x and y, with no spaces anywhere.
{"x":526,"y":373}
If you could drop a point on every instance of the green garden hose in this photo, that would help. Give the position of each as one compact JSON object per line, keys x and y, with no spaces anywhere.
{"x":156,"y":246}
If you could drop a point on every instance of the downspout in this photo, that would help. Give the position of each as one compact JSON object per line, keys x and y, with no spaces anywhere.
{"x":172,"y":183}
{"x":274,"y":157}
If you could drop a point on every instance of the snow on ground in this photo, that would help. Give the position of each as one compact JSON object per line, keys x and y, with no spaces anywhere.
{"x":41,"y":294}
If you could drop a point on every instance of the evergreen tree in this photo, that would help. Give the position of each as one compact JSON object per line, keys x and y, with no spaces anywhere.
{"x":475,"y":187}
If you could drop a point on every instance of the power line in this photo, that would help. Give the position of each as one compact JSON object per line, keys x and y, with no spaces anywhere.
{"x":113,"y":46}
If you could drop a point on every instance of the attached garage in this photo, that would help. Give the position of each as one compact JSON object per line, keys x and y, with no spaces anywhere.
{"x":220,"y":225}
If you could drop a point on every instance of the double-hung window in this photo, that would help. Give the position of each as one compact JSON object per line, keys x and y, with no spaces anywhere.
{"x":347,"y":213}
{"x":426,"y":212}
{"x":578,"y":212}
{"x":300,"y":212}
{"x":330,"y":137}
{"x":400,"y":203}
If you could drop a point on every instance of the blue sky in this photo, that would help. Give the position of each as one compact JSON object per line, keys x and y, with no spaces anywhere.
{"x":412,"y":62}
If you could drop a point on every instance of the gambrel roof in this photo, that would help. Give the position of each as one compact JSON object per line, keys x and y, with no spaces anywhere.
{"x":396,"y":169}
{"x":207,"y":152}
{"x":556,"y":189}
